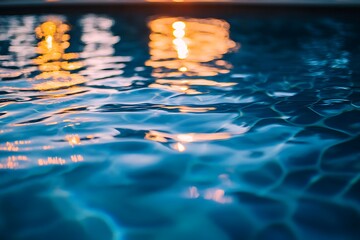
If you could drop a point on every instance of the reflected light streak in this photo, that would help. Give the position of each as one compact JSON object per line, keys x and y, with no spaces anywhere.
{"x":185,"y":138}
{"x":186,"y":109}
{"x":55,"y":65}
{"x":179,"y":41}
{"x":13,"y":162}
{"x":14,"y":146}
{"x":99,"y":48}
{"x":193,"y":192}
{"x":188,"y":47}
{"x":184,"y":85}
{"x":179,"y":147}
{"x":213,"y":194}
{"x":51,"y":161}
{"x":73,"y":139}
{"x":19,"y":161}
{"x":77,"y":158}
{"x":47,"y":147}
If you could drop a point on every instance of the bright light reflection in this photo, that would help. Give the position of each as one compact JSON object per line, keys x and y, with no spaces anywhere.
{"x":179,"y":41}
{"x":51,"y":161}
{"x":13,"y":162}
{"x":188,"y":47}
{"x":186,"y":109}
{"x":179,"y":147}
{"x":185,"y":138}
{"x":77,"y":158}
{"x":55,"y":65}
{"x":14,"y":146}
{"x":213,"y":194}
{"x":99,"y":48}
{"x":73,"y":139}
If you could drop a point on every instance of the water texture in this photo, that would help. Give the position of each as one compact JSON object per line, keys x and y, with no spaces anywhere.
{"x":120,"y":126}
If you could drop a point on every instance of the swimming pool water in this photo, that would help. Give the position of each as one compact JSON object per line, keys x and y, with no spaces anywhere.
{"x":165,"y":126}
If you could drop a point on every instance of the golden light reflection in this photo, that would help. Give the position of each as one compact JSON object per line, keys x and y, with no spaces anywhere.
{"x":47,"y":147}
{"x":77,"y":158}
{"x":188,"y":47}
{"x":217,"y":195}
{"x":59,"y":160}
{"x":180,"y":42}
{"x":186,"y":138}
{"x":179,"y":147}
{"x":186,"y":109}
{"x":14,"y":146}
{"x":73,"y":139}
{"x":193,"y":192}
{"x":12,"y":162}
{"x":184,"y":85}
{"x":51,"y":161}
{"x":20,"y":161}
{"x":55,"y":65}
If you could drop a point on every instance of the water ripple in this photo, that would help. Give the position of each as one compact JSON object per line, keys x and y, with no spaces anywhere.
{"x":157,"y":127}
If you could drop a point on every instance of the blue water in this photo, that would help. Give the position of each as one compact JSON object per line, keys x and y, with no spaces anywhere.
{"x":125,"y":126}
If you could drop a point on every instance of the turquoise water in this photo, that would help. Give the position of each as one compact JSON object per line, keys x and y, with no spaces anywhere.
{"x":204,"y":126}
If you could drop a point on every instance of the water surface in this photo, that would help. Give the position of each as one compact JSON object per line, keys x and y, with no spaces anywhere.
{"x":202,"y":126}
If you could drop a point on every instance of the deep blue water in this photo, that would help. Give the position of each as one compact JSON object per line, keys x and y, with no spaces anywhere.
{"x":218,"y":126}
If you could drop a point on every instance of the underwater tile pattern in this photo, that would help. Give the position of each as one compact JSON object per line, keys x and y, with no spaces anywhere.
{"x":179,"y":127}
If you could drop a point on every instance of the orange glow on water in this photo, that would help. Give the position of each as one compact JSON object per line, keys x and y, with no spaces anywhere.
{"x":77,"y":158}
{"x":179,"y":147}
{"x":73,"y":139}
{"x":14,"y":146}
{"x":180,"y":43}
{"x":186,"y":138}
{"x":188,"y":47}
{"x":51,"y":161}
{"x":186,"y":109}
{"x":55,"y":65}
{"x":12,"y":162}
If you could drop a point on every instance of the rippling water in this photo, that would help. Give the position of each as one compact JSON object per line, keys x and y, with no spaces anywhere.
{"x":184,"y":127}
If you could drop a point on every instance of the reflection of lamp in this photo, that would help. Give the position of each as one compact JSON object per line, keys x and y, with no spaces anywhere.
{"x":188,"y":47}
{"x":53,"y":62}
{"x":99,"y":48}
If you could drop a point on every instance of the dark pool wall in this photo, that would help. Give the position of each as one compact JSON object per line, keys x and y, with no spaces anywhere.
{"x":179,"y":123}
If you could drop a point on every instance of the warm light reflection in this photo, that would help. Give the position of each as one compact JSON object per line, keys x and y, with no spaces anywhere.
{"x":73,"y":139}
{"x":55,"y":65}
{"x":213,"y":194}
{"x":13,"y":162}
{"x":217,"y":195}
{"x":14,"y":146}
{"x":182,"y":139}
{"x":188,"y":47}
{"x":185,"y":138}
{"x":59,"y":160}
{"x":51,"y":161}
{"x":180,"y":42}
{"x":77,"y":158}
{"x":186,"y":109}
{"x":179,"y":147}
{"x":22,"y":146}
{"x":47,"y":147}
{"x":193,"y":192}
